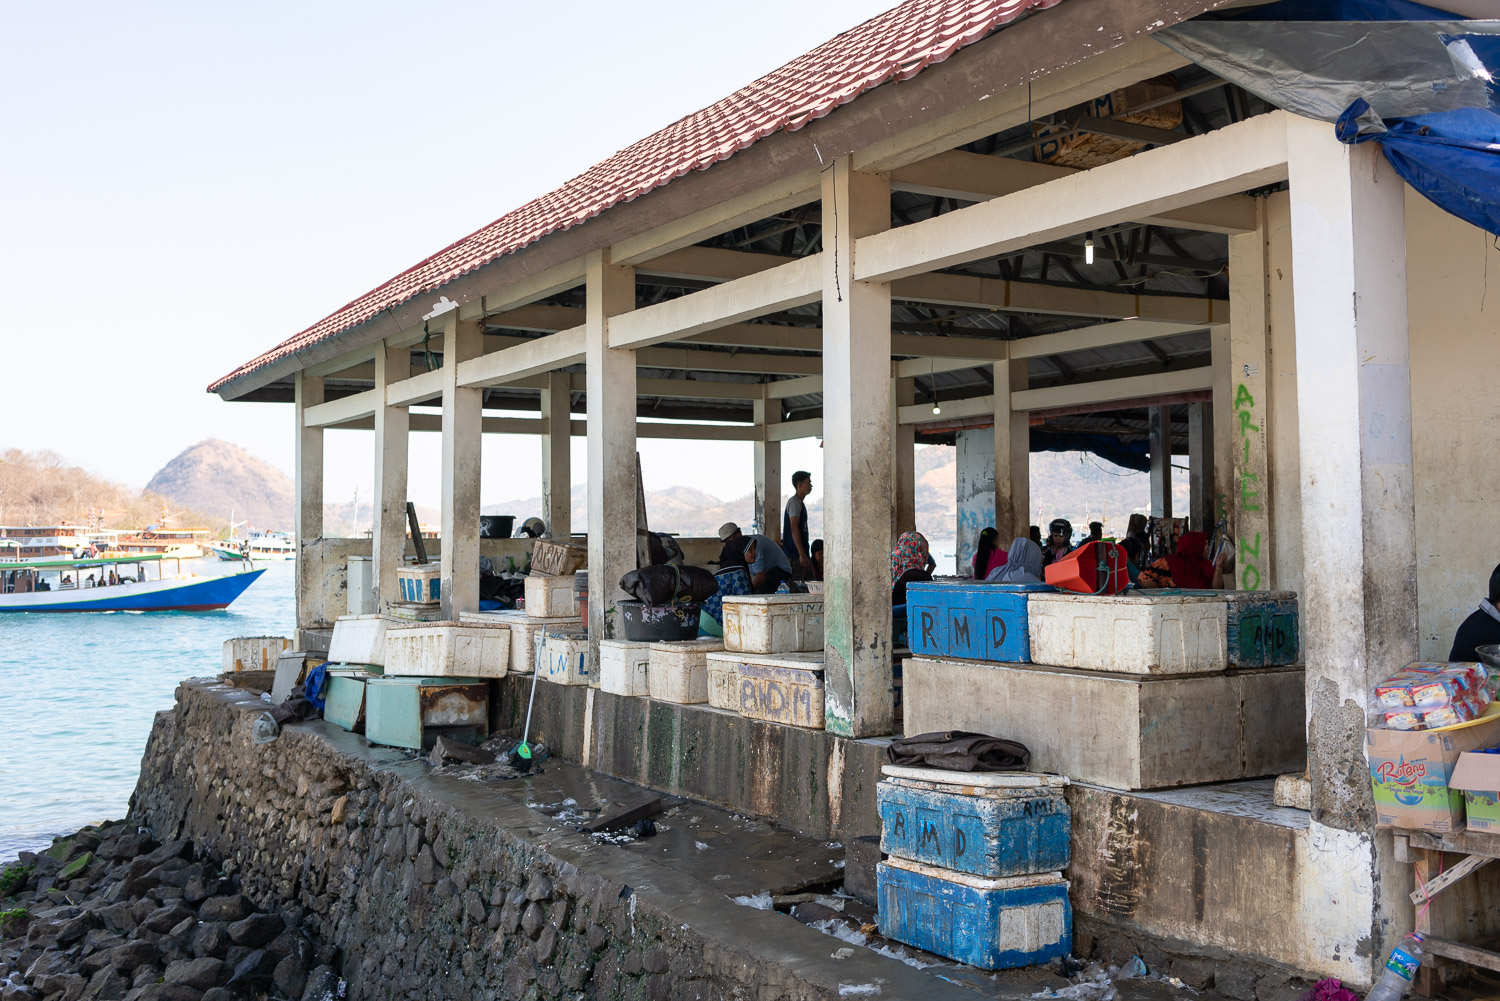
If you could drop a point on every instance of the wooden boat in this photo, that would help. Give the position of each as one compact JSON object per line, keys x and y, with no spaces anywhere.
{"x":65,"y":585}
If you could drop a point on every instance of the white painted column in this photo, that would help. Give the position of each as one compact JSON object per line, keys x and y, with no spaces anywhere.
{"x":857,"y":460}
{"x":307,"y":392}
{"x":1249,"y":495}
{"x":1201,"y":467}
{"x":1161,"y":461}
{"x":1359,"y":602}
{"x":611,"y":395}
{"x":392,"y":430}
{"x":903,"y":459}
{"x":1012,"y":454}
{"x":557,"y":456}
{"x":767,"y":411}
{"x":462,"y":430}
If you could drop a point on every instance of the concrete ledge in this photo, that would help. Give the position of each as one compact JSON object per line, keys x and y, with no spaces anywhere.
{"x":808,"y":780}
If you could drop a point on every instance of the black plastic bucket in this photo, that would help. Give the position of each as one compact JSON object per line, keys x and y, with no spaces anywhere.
{"x":496,"y":526}
{"x":646,"y":623}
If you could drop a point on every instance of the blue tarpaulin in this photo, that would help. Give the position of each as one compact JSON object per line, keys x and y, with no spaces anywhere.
{"x":1342,"y":10}
{"x":1451,"y":157}
{"x":1130,"y":455}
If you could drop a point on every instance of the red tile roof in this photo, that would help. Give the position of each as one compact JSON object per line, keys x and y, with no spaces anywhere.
{"x":896,"y":45}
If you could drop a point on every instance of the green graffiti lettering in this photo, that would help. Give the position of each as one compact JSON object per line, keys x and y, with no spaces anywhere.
{"x":1248,"y":495}
{"x":1247,"y":422}
{"x":1248,"y":551}
{"x":1250,"y":579}
{"x":1242,"y":398}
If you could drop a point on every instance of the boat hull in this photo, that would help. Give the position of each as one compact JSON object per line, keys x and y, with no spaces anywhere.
{"x":205,"y":594}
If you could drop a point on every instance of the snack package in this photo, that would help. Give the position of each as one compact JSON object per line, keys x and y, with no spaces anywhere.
{"x":1427,"y":685}
{"x":1468,"y":707}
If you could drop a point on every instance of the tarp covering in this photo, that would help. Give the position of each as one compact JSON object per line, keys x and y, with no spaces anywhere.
{"x":1130,"y":455}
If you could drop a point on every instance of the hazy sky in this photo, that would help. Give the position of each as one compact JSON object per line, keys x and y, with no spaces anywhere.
{"x":185,"y":185}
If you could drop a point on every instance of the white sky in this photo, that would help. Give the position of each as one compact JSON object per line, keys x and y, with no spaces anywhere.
{"x":186,"y":185}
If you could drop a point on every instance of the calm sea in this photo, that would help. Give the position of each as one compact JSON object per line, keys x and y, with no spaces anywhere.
{"x":78,"y":693}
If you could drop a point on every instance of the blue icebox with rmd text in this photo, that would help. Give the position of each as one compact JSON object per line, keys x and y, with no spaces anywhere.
{"x":994,"y":924}
{"x":972,"y":620}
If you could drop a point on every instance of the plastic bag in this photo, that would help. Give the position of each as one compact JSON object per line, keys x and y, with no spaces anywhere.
{"x":663,"y":584}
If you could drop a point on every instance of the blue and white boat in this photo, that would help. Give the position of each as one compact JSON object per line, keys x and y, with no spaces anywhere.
{"x":114,"y":585}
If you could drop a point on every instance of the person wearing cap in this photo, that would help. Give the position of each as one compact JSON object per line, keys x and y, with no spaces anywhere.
{"x":767,"y":565}
{"x":1481,"y":627}
{"x":1059,"y":541}
{"x":729,"y":555}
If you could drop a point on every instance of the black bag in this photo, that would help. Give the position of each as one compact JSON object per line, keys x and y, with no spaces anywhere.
{"x":666,"y":584}
{"x":959,"y":751}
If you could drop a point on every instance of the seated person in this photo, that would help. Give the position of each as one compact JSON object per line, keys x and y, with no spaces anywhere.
{"x":1134,"y":553}
{"x":911,"y":560}
{"x":766,"y":563}
{"x":816,"y":552}
{"x":988,"y":556}
{"x":1023,"y":564}
{"x":1481,"y":627}
{"x":734,"y":543}
{"x":1096,"y":531}
{"x":1187,"y":568}
{"x":1059,"y":541}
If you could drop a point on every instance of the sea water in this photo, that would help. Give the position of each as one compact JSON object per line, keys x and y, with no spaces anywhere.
{"x":78,"y":693}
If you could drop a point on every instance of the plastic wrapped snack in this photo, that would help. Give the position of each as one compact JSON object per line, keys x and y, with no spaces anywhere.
{"x":1462,"y":710}
{"x":1424,"y":686}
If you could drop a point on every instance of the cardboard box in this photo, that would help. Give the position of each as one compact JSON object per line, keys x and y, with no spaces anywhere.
{"x":1478,"y":775}
{"x":1410,"y":769}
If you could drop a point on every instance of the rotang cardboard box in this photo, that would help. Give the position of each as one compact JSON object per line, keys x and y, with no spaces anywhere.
{"x":1478,"y":775}
{"x":1410,"y":769}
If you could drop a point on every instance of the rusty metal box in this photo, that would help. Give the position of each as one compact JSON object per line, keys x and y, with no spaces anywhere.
{"x":413,"y":712}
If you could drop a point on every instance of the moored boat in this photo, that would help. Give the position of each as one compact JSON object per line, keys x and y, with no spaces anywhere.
{"x":259,"y":546}
{"x":114,"y":585}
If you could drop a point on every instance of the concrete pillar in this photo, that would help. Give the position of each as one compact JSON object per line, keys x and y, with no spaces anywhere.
{"x":307,"y":392}
{"x":856,"y":460}
{"x":392,"y":429}
{"x":903,"y":459}
{"x":1249,"y":403}
{"x":1012,"y":454}
{"x":557,"y":456}
{"x":767,"y":466}
{"x":1161,"y":462}
{"x":462,"y":429}
{"x":1201,"y":467}
{"x":611,"y":444}
{"x":1359,"y":602}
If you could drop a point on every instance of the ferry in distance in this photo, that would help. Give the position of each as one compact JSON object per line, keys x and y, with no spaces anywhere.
{"x":260,"y":546}
{"x":115,"y":585}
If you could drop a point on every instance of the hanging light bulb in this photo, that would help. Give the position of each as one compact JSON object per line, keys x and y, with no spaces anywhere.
{"x":1088,"y":250}
{"x":935,"y":408}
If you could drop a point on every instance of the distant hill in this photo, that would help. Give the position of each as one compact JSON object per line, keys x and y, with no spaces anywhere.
{"x":41,"y":488}
{"x":223,"y":479}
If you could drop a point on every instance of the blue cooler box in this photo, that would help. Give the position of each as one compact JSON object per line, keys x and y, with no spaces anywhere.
{"x":994,"y":924}
{"x":972,"y":620}
{"x":986,"y":824}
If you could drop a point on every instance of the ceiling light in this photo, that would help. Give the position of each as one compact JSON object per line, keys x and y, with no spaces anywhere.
{"x":1088,"y":251}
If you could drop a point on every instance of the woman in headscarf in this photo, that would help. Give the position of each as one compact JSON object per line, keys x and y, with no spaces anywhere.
{"x":1188,"y":567}
{"x":988,"y":556}
{"x":1023,"y":564}
{"x":910,"y":561}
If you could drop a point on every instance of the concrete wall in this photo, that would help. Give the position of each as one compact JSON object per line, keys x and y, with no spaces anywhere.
{"x":1455,"y":354}
{"x":976,"y":491}
{"x":1285,"y":468}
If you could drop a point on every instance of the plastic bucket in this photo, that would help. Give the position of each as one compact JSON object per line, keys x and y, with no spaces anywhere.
{"x":640,"y":621}
{"x":581,"y":594}
{"x":1079,"y":570}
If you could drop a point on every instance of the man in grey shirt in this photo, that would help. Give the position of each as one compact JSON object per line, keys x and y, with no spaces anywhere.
{"x":794,"y":527}
{"x":766,"y":563}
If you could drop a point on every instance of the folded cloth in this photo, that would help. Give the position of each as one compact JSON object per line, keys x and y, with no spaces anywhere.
{"x":959,"y":751}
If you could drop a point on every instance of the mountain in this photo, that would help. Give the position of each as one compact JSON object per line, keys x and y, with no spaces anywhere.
{"x":221,"y":479}
{"x":41,"y":488}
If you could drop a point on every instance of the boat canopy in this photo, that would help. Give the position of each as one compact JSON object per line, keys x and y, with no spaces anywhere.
{"x":71,"y":564}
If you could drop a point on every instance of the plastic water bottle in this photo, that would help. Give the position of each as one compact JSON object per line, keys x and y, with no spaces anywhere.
{"x":1395,"y":981}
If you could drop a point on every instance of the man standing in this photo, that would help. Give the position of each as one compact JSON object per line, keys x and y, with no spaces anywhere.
{"x":1481,"y":627}
{"x":794,"y":526}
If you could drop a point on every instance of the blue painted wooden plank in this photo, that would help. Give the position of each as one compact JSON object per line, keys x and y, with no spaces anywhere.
{"x":975,"y":621}
{"x":993,"y":929}
{"x":1008,"y":834}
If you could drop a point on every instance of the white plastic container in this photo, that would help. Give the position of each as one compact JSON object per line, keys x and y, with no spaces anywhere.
{"x":361,"y":585}
{"x":722,"y":672}
{"x":448,"y":650}
{"x":773,"y":623}
{"x":679,"y":670}
{"x":564,"y":658}
{"x":550,"y":597}
{"x":624,"y":667}
{"x":358,"y":639}
{"x":526,"y":634}
{"x":420,"y":583}
{"x":253,"y":653}
{"x":782,"y":688}
{"x":1128,"y":634}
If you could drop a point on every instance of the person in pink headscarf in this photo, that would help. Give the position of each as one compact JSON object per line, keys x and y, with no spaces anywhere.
{"x":911,"y":560}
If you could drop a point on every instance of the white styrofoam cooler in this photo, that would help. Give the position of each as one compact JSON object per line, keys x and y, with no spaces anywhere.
{"x":679,"y":670}
{"x":358,"y":639}
{"x":253,"y":653}
{"x":722,"y":674}
{"x":448,"y":650}
{"x":550,"y":597}
{"x":773,"y":623}
{"x":624,"y":667}
{"x":527,"y":633}
{"x":563,"y":658}
{"x":1130,"y":634}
